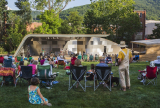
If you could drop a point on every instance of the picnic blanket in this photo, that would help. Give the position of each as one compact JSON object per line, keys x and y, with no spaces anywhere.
{"x":7,"y":71}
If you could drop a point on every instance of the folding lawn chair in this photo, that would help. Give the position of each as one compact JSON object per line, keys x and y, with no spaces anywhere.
{"x":61,"y":62}
{"x":103,"y":74}
{"x":158,"y":66}
{"x":151,"y":75}
{"x":44,"y":76}
{"x":7,"y":63}
{"x":26,"y":73}
{"x":77,"y":74}
{"x":8,"y":76}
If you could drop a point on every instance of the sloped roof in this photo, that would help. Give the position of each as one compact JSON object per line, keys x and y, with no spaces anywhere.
{"x":147,"y":42}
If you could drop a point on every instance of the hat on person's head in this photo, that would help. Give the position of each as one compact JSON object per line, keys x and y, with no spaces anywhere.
{"x":5,"y":57}
{"x":152,"y":64}
{"x":25,"y":58}
{"x":122,"y":44}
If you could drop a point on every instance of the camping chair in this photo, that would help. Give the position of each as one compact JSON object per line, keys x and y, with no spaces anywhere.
{"x":44,"y":76}
{"x":8,"y":76}
{"x":61,"y":62}
{"x":7,"y":63}
{"x":103,"y":74}
{"x":151,"y":75}
{"x":1,"y":59}
{"x":158,"y":66}
{"x":77,"y":74}
{"x":26,"y":73}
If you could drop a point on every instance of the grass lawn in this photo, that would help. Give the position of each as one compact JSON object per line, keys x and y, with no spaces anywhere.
{"x":139,"y":96}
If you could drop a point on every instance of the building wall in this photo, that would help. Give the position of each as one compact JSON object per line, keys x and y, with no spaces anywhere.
{"x":99,"y":45}
{"x":92,"y":45}
{"x":142,"y":17}
{"x":150,"y":26}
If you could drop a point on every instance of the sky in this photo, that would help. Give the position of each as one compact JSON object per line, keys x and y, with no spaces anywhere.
{"x":70,"y":4}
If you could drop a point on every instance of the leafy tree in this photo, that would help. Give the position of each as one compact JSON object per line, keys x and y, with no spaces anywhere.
{"x":57,"y":5}
{"x":114,"y":17}
{"x":75,"y":21}
{"x":24,"y":10}
{"x":65,"y":27}
{"x":156,"y":33}
{"x":50,"y":23}
{"x":15,"y":32}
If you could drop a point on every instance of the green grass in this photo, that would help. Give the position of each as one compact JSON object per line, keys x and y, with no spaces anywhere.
{"x":139,"y":96}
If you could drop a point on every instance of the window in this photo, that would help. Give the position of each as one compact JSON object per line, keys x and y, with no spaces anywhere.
{"x":44,"y":42}
{"x":79,"y":42}
{"x":54,"y":42}
{"x":74,"y":43}
{"x":91,"y":42}
{"x":140,"y":15}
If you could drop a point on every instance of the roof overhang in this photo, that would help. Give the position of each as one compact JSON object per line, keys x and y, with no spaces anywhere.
{"x":56,"y":35}
{"x":151,"y":42}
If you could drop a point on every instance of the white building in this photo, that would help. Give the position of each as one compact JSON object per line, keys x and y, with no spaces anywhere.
{"x":150,"y":26}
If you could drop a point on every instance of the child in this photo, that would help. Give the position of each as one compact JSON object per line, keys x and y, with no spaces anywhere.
{"x":35,"y":96}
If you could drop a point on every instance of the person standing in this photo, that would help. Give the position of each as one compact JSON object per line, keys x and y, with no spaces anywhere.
{"x":124,"y":59}
{"x":43,"y":51}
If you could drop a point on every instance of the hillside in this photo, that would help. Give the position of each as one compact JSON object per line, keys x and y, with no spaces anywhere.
{"x":152,"y":9}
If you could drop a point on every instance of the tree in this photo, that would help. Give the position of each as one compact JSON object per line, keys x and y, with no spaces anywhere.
{"x":65,"y":27}
{"x":156,"y":33}
{"x":50,"y":23}
{"x":75,"y":21}
{"x":24,"y":10}
{"x":57,"y":5}
{"x":115,"y":17}
{"x":15,"y":32}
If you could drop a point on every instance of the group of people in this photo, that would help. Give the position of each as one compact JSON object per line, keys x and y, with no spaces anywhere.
{"x":123,"y":59}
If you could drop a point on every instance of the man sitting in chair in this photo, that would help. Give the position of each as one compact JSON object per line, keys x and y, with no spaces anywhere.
{"x":102,"y":63}
{"x":108,"y":59}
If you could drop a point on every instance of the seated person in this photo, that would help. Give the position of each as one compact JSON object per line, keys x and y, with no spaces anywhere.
{"x":26,"y":63}
{"x":136,"y":57}
{"x":145,"y":71}
{"x":34,"y":68}
{"x":21,"y":63}
{"x":91,"y":73}
{"x":42,"y":61}
{"x":102,"y":63}
{"x":157,"y":61}
{"x":39,"y":59}
{"x":108,"y":59}
{"x":73,"y":60}
{"x":1,"y":59}
{"x":78,"y":63}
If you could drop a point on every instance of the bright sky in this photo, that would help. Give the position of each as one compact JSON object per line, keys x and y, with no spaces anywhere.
{"x":70,"y":5}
